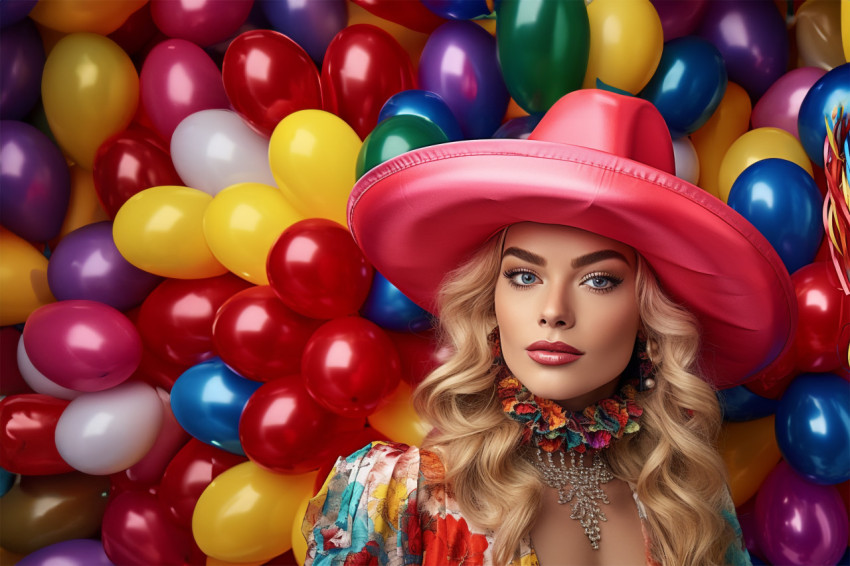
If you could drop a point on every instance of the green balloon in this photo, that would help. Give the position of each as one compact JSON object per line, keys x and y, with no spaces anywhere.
{"x":394,"y":136}
{"x":543,"y":49}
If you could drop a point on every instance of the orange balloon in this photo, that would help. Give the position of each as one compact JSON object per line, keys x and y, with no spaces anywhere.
{"x":23,"y":279}
{"x":84,"y":207}
{"x":96,"y":16}
{"x":397,"y":420}
{"x":728,"y":123}
{"x":750,"y":452}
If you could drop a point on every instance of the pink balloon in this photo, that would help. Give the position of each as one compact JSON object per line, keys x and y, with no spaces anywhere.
{"x":178,"y":79}
{"x":82,"y":345}
{"x":204,"y":22}
{"x":799,"y":522}
{"x":779,"y":106}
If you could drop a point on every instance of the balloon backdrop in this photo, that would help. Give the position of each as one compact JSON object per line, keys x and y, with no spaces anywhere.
{"x":189,"y":336}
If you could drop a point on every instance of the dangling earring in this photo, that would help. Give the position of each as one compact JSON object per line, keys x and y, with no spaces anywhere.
{"x":646,"y":369}
{"x":496,"y":346}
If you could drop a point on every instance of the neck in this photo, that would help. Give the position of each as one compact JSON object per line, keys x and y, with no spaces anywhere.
{"x":577,"y":404}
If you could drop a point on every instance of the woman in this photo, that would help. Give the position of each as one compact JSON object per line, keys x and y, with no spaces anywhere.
{"x":592,"y":302}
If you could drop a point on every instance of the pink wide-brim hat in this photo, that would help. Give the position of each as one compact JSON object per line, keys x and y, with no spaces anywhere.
{"x":598,"y":161}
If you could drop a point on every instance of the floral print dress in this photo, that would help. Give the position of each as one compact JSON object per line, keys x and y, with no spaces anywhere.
{"x":387,"y":504}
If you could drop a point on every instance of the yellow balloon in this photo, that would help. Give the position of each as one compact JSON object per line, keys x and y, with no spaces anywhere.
{"x":313,"y":155}
{"x":750,"y":451}
{"x":90,"y":91}
{"x":84,"y":207}
{"x":411,"y":40}
{"x":845,"y":29}
{"x":299,"y":544}
{"x":96,"y":16}
{"x":755,"y":145}
{"x":23,"y":279}
{"x":397,"y":420}
{"x":246,"y":513}
{"x":626,"y":40}
{"x":729,"y":122}
{"x":161,"y":230}
{"x":241,"y":225}
{"x":818,"y":32}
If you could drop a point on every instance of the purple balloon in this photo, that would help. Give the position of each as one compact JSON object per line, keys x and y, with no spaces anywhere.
{"x":460,"y":64}
{"x":35,"y":184}
{"x":779,"y":106}
{"x":799,"y":522}
{"x":518,"y":128}
{"x":20,"y":69}
{"x":679,"y":18}
{"x":76,"y":552}
{"x":82,"y":345}
{"x":312,"y":25}
{"x":13,"y":11}
{"x":751,"y":37}
{"x":86,"y":264}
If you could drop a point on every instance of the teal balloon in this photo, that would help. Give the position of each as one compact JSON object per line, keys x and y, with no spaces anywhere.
{"x":543,"y":49}
{"x":394,"y":136}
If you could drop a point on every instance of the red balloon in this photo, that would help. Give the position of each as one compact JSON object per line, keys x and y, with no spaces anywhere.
{"x":317,"y":270}
{"x":258,"y":336}
{"x":130,"y":162}
{"x":194,"y":467}
{"x":363,"y":67}
{"x":11,"y":380}
{"x":175,"y":320}
{"x":284,"y":430}
{"x":267,"y":77}
{"x":136,"y":32}
{"x":412,"y":15}
{"x":824,"y":314}
{"x":418,"y":352}
{"x":350,"y":366}
{"x":137,"y":530}
{"x":27,"y":430}
{"x":773,"y":381}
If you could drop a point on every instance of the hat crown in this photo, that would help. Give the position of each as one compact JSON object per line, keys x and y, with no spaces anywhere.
{"x":626,"y":126}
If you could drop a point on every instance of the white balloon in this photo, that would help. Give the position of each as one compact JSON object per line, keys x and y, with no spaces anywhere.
{"x":39,"y":382}
{"x":104,"y":432}
{"x":687,"y":160}
{"x":213,"y":149}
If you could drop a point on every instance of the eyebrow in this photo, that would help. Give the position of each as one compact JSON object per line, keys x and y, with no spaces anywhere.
{"x":576,"y":263}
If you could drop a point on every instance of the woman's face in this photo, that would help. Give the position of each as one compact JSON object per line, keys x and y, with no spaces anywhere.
{"x":567,"y":311}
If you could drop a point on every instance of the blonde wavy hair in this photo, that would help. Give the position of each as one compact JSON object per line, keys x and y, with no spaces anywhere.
{"x":672,"y":461}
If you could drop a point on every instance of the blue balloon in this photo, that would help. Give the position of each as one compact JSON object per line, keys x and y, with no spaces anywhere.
{"x":7,"y":480}
{"x":518,"y":128}
{"x":312,"y":25}
{"x":457,"y":9}
{"x":207,"y":400}
{"x":425,"y":104}
{"x":387,"y":307}
{"x":831,"y":90}
{"x":813,"y":427}
{"x":688,"y":84}
{"x":741,"y":404}
{"x":782,"y":200}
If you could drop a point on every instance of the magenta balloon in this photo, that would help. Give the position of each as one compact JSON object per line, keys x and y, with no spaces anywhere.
{"x":799,"y":522}
{"x":36,"y":184}
{"x":679,"y":18}
{"x":751,"y":37}
{"x":203,"y":22}
{"x":82,"y":345}
{"x":178,"y":79}
{"x":20,"y":69}
{"x":779,"y":106}
{"x":86,"y":264}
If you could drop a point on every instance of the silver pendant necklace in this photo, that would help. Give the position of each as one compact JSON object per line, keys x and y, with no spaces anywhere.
{"x":584,"y":486}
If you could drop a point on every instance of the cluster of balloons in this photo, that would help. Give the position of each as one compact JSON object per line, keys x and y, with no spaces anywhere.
{"x":189,"y":336}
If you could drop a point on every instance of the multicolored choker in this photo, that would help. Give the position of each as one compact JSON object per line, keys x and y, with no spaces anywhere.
{"x":550,"y":427}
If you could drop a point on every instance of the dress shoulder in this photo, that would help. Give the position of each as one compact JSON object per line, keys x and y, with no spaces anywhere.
{"x":366,"y":510}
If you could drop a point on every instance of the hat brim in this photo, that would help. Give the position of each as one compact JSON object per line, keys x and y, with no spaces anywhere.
{"x":421,"y":214}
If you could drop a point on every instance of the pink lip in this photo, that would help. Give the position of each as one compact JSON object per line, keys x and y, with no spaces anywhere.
{"x":553,"y":353}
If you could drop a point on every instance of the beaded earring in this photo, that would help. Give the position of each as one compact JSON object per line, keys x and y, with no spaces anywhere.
{"x":645,"y":367}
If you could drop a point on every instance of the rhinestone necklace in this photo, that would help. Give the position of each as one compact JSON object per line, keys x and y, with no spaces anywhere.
{"x":585,"y":488}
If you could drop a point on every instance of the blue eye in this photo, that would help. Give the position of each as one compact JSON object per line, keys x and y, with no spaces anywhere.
{"x":600,"y":282}
{"x":521,"y":278}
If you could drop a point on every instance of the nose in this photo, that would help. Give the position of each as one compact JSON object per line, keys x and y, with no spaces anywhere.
{"x":556,"y":311}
